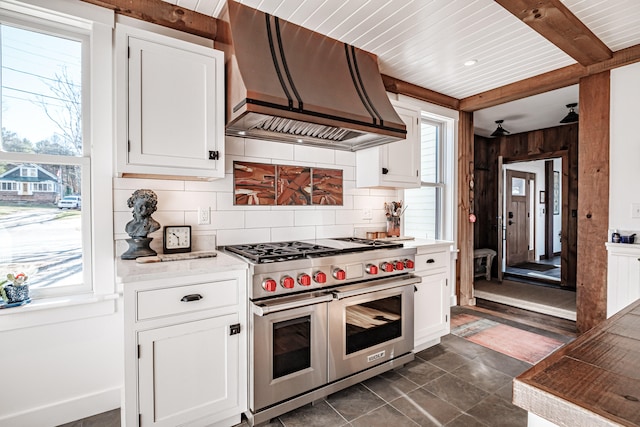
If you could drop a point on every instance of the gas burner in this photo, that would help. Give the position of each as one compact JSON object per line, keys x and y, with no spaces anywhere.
{"x":370,"y":242}
{"x":278,"y":251}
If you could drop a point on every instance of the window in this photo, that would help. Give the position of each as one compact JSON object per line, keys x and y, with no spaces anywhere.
{"x":424,"y":218}
{"x":46,"y":155}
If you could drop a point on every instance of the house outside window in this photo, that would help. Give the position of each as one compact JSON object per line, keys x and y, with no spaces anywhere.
{"x":427,"y":205}
{"x":45,"y":155}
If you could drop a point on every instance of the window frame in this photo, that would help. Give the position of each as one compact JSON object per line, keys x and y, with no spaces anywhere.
{"x":445,"y":179}
{"x":96,"y":24}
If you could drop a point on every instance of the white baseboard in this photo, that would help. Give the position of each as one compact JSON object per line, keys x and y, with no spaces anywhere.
{"x":66,"y":411}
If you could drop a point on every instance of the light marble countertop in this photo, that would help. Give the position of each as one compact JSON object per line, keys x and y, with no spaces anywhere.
{"x":416,"y":243}
{"x":128,"y":271}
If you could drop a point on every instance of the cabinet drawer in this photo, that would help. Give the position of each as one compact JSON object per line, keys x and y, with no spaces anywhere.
{"x":435,"y":260}
{"x":185,"y":299}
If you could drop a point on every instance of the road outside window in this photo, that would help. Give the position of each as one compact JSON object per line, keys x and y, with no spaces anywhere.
{"x":43,"y":164}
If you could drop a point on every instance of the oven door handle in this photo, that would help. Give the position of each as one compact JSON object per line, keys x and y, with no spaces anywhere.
{"x":262,"y":310}
{"x":368,"y":288}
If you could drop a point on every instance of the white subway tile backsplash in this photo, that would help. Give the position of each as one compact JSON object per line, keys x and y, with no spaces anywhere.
{"x":281,"y":234}
{"x":347,"y":158}
{"x":314,"y":217}
{"x":372,"y":202}
{"x":334,"y":231}
{"x":268,"y":219}
{"x":178,"y":201}
{"x":243,"y":235}
{"x":268,"y":149}
{"x":224,"y":220}
{"x":234,"y":146}
{"x":133,"y":184}
{"x":317,"y":155}
{"x":350,"y":217}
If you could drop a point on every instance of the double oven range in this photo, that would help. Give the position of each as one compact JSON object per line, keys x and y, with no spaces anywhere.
{"x":324,"y":314}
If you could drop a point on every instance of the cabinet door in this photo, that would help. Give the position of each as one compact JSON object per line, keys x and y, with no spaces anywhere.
{"x":431,"y":313}
{"x":175,"y":108}
{"x":401,"y":159}
{"x":189,"y":371}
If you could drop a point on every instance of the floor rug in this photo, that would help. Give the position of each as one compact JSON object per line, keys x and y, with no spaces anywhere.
{"x":517,"y":343}
{"x":534,"y":266}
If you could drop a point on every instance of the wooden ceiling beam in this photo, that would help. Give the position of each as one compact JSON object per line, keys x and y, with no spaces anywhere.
{"x":165,"y":14}
{"x":394,"y":85}
{"x":555,"y":22}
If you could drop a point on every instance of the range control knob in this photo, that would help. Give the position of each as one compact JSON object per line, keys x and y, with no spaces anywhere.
{"x":320,"y":277}
{"x":304,"y":279}
{"x":386,"y":266}
{"x":399,"y":265}
{"x":269,"y":285}
{"x":409,"y":263}
{"x":288,"y":282}
{"x":371,"y":269}
{"x":339,"y":274}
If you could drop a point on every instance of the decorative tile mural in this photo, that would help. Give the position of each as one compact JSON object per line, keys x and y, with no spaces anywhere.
{"x":327,"y":187}
{"x":254,"y":183}
{"x":293,"y":185}
{"x":268,"y":184}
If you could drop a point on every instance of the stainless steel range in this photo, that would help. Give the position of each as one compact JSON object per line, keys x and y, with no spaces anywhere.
{"x":325,"y":314}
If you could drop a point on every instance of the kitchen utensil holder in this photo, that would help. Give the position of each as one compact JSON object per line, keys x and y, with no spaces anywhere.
{"x":393,"y":226}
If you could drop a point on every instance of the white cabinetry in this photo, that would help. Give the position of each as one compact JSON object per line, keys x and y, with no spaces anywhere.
{"x":623,"y":276}
{"x":396,"y":164}
{"x":432,"y":297}
{"x":185,"y":350}
{"x":170,"y":106}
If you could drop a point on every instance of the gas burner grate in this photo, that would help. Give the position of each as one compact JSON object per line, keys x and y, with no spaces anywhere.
{"x":278,"y":251}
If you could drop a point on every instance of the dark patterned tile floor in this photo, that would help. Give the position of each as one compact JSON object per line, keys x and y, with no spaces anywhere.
{"x":456,"y":383}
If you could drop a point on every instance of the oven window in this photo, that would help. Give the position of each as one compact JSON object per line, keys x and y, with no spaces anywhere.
{"x":373,"y":323}
{"x":291,"y":346}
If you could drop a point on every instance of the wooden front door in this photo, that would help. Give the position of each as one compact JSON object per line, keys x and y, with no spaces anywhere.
{"x":518,"y":202}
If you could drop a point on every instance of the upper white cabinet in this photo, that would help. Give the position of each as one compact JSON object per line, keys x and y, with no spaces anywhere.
{"x":170,"y":106}
{"x":396,"y":164}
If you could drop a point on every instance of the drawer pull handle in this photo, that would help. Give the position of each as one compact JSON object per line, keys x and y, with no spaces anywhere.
{"x":431,"y":261}
{"x":192,"y":297}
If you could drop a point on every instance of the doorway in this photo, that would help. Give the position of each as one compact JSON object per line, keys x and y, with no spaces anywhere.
{"x":532,"y":212}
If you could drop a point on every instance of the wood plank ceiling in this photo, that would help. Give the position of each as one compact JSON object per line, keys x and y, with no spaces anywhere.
{"x":426,"y":42}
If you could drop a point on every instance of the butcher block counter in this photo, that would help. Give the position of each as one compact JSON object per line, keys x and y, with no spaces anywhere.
{"x":593,"y":381}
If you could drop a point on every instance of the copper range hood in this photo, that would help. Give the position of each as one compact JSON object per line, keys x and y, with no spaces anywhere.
{"x":289,"y":84}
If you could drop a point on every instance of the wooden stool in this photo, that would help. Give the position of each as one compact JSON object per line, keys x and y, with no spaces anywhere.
{"x":482,"y":260}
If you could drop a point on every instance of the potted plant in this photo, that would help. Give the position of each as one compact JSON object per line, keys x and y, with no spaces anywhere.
{"x":14,"y":288}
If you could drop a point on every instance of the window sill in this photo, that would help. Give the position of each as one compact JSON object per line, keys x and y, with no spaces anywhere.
{"x":55,"y":310}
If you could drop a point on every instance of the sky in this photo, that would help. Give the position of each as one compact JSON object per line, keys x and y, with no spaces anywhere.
{"x":30,"y":62}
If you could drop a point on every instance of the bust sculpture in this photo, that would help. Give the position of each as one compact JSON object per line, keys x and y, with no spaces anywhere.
{"x":144,"y":203}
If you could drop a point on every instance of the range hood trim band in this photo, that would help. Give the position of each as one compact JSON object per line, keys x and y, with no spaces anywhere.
{"x":311,"y":113}
{"x":359,"y":85}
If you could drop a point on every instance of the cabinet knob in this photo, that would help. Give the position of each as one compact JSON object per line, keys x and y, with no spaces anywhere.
{"x":192,"y":297}
{"x":385,"y":171}
{"x":431,"y":261}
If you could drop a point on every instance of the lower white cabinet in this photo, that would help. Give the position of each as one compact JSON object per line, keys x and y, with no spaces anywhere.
{"x":432,"y":296}
{"x":623,"y":276}
{"x":185,"y":351}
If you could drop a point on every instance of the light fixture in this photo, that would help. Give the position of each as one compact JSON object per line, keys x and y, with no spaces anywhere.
{"x":500,"y":131}
{"x":572,"y":116}
{"x":470,"y":62}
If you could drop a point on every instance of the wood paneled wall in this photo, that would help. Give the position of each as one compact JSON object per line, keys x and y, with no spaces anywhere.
{"x":560,"y":141}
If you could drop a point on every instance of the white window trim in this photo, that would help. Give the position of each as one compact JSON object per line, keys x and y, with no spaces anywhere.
{"x":98,"y":23}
